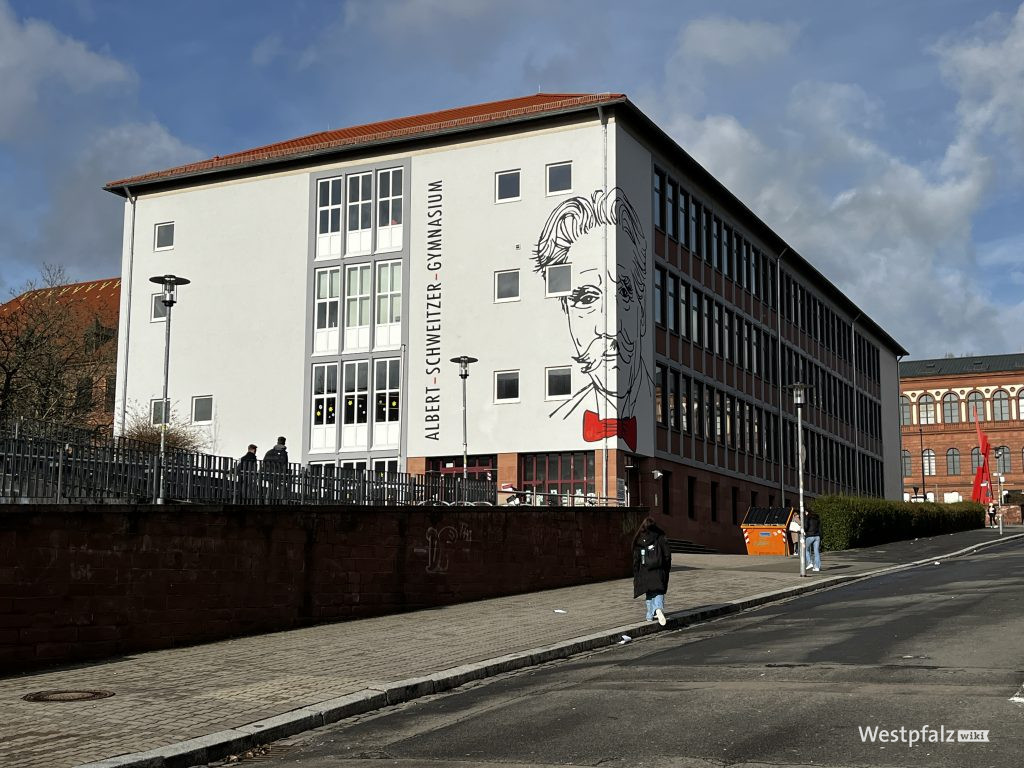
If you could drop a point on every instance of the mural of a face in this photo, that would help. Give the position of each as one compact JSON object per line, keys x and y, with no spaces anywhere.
{"x":610,"y":357}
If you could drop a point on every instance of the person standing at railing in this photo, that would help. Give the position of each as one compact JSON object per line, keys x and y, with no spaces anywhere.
{"x":275,"y":464}
{"x":246,"y":469}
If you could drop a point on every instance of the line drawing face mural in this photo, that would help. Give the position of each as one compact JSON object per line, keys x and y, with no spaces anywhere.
{"x":611,"y":358}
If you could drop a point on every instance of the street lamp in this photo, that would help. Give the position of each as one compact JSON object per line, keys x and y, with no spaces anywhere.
{"x":799,"y":391}
{"x":170,"y":284}
{"x":464,"y":362}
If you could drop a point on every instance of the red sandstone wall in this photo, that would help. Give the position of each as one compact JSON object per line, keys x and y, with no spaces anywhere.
{"x":80,"y":582}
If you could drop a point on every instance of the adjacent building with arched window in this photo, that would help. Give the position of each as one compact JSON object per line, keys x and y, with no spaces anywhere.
{"x":942,"y":403}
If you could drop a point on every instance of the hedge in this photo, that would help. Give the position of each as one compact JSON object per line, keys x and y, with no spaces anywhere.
{"x":854,"y":521}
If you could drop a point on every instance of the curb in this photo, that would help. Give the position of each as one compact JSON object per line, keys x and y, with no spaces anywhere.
{"x":214,"y":746}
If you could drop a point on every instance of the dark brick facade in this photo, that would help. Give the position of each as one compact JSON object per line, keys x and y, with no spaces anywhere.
{"x":91,"y":582}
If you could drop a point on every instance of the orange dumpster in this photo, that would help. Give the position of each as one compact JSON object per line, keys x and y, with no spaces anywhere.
{"x":765,"y":530}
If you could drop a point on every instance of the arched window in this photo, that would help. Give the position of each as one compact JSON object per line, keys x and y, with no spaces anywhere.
{"x":906,"y":463}
{"x":928,"y":459}
{"x":952,"y":462}
{"x":904,"y":411}
{"x":1020,"y":405}
{"x":1002,"y":456}
{"x":1000,"y":406}
{"x":926,"y":409}
{"x":975,"y":459}
{"x":950,"y":409}
{"x":975,"y":405}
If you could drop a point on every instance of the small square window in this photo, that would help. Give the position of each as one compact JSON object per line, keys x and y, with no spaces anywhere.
{"x":559,"y":383}
{"x":156,"y":411}
{"x":558,"y":279}
{"x":506,"y":185}
{"x":164,"y":236}
{"x":506,"y":285}
{"x":506,"y":386}
{"x":202,"y":410}
{"x":559,"y":178}
{"x":159,"y":311}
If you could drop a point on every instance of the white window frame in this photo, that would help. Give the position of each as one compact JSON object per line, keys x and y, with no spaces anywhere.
{"x":547,"y":179}
{"x":157,"y":301}
{"x":156,"y":236}
{"x":325,"y":338}
{"x":156,"y":401}
{"x":193,"y":410}
{"x":547,"y":382}
{"x":387,"y":431}
{"x":547,"y":280}
{"x":358,"y":240}
{"x":357,"y":334}
{"x":328,"y":239}
{"x":497,"y":274}
{"x":518,"y":386}
{"x":323,"y":433}
{"x":387,"y":333}
{"x":355,"y":384}
{"x":497,"y":182}
{"x":389,"y":231}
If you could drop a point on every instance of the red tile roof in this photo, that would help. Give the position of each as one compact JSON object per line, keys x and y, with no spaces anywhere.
{"x":96,"y":298}
{"x":404,"y":127}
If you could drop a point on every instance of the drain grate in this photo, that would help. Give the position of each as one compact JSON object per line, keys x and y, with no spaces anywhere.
{"x":48,"y":696}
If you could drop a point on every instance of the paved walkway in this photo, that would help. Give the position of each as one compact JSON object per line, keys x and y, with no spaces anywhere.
{"x":175,"y":704}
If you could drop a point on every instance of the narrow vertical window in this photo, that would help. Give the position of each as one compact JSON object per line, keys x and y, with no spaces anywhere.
{"x":386,"y":403}
{"x":388,"y":331}
{"x":323,"y":435}
{"x":328,"y":218}
{"x":326,"y":311}
{"x":659,"y":200}
{"x":389,"y":209}
{"x":357,"y":307}
{"x":356,"y":401}
{"x":360,"y":212}
{"x":659,"y":296}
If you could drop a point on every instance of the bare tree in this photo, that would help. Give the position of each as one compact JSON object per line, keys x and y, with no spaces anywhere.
{"x":180,"y":435}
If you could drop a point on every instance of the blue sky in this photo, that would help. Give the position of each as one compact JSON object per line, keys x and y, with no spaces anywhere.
{"x":883,"y":140}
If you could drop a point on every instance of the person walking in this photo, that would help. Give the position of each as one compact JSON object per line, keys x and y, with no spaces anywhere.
{"x":247,"y":474}
{"x":275,"y":466}
{"x":278,"y":454}
{"x":992,"y":515}
{"x":248,"y":462}
{"x":652,"y":561}
{"x":794,"y":535}
{"x":812,"y":540}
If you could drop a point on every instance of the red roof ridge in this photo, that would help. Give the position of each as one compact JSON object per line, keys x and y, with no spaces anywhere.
{"x":427,"y":123}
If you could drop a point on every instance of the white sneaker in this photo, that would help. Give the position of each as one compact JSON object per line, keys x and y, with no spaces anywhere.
{"x":661,"y":616}
{"x":816,"y":569}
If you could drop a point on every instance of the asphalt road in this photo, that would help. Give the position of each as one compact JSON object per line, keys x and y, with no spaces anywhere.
{"x":791,"y":684}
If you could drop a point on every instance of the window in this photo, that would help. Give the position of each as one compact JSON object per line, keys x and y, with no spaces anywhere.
{"x":163,"y":236}
{"x":328,"y":308}
{"x":904,"y":411}
{"x":1000,"y":406}
{"x":559,"y":178}
{"x":659,"y":296}
{"x":360,"y":200}
{"x":1002,"y":457}
{"x":674,"y":413}
{"x":926,"y":409}
{"x":354,"y":413}
{"x":159,"y":311}
{"x":975,"y":459}
{"x":975,"y":407}
{"x":325,"y":407}
{"x":556,"y":477}
{"x":357,"y":307}
{"x":389,"y":209}
{"x":952,"y":462}
{"x":506,"y":386}
{"x":671,"y":305}
{"x":1020,"y":405}
{"x":506,"y":186}
{"x":559,"y":383}
{"x":506,"y":285}
{"x":558,"y":279}
{"x":928,"y":459}
{"x":386,"y":402}
{"x":950,"y":409}
{"x":660,"y":394}
{"x":670,"y":209}
{"x":156,"y":412}
{"x":202,"y":410}
{"x":388,"y":332}
{"x":659,"y":200}
{"x":328,"y":218}
{"x":906,"y":463}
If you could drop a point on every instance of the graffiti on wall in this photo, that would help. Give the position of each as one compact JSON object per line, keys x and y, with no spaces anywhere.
{"x":440,"y":542}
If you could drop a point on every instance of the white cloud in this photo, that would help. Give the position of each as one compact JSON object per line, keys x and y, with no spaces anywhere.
{"x":731,"y":42}
{"x":34,"y":59}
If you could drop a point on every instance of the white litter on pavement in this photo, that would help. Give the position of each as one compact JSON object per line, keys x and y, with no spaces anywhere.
{"x":625,"y":639}
{"x":559,"y":610}
{"x":1018,"y":698}
{"x":936,"y":562}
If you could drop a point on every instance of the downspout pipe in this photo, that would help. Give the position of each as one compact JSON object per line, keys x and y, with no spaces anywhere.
{"x":604,"y":298}
{"x":127,"y":303}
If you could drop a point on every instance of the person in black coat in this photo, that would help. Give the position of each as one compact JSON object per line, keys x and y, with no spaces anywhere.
{"x":652,"y":561}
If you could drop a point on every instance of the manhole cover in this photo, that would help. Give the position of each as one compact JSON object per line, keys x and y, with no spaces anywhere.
{"x":67,"y":695}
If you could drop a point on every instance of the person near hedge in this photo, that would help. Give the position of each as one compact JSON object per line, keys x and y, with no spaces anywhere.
{"x":812,"y":540}
{"x":652,"y":561}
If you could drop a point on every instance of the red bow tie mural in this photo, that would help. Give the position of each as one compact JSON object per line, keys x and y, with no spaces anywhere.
{"x":595,"y":428}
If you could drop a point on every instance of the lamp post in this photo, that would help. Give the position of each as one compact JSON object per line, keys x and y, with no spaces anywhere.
{"x":464,"y":362}
{"x":799,"y":394}
{"x":924,"y":489}
{"x":170,"y":285}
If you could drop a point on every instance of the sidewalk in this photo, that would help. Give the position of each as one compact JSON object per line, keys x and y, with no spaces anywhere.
{"x":185,"y":706}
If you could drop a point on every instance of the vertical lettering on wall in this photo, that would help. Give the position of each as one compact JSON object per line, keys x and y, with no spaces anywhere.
{"x":432,"y":326}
